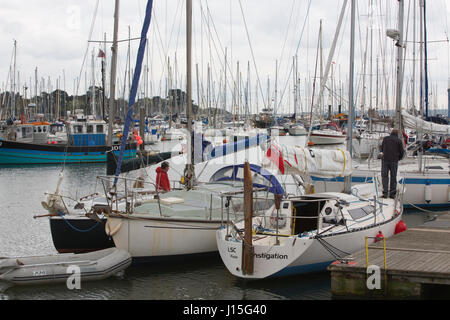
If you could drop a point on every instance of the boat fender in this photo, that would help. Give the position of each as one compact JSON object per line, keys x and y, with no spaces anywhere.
{"x":112,"y":232}
{"x":448,"y":193}
{"x":428,"y":192}
{"x":379,"y":237}
{"x":400,"y":227}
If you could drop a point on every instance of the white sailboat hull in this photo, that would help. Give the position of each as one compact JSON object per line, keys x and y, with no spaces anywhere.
{"x":319,"y":138}
{"x":299,"y":254}
{"x":152,"y":237}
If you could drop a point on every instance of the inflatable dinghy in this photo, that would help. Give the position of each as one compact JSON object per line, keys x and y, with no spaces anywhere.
{"x":91,"y":266}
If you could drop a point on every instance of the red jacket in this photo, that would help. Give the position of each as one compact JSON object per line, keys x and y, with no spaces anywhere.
{"x":162,"y":180}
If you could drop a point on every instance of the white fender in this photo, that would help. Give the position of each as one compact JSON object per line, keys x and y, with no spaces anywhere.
{"x":428,"y":193}
{"x":112,"y":232}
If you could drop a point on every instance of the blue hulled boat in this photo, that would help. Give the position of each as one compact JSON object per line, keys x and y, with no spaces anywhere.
{"x":86,"y":143}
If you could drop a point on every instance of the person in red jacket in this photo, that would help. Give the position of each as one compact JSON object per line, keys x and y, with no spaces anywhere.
{"x":162,"y":179}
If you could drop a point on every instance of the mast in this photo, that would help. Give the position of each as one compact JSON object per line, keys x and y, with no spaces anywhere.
{"x":93,"y":86}
{"x":413,"y":88}
{"x":322,"y":82}
{"x":421,"y":56}
{"x":13,"y":100}
{"x":348,"y":179}
{"x":189,"y":170}
{"x":398,"y":94}
{"x":332,"y":49}
{"x":426,"y":57}
{"x":294,"y":78}
{"x":112,"y":84}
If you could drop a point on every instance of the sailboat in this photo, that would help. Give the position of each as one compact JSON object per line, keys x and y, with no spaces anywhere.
{"x":426,"y":178}
{"x":308,"y":232}
{"x":183,"y":222}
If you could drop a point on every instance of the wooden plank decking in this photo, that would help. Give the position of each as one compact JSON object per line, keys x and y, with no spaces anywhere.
{"x":416,"y":258}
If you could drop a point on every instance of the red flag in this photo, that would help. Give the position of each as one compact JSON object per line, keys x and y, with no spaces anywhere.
{"x":101,"y":54}
{"x":276,"y":157}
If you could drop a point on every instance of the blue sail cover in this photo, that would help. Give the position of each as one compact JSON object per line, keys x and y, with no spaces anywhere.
{"x":134,"y":85}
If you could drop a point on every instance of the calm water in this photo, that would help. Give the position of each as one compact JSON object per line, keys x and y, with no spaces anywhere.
{"x":21,"y":192}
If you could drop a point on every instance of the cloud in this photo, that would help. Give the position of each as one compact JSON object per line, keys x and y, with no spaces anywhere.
{"x":52,"y":35}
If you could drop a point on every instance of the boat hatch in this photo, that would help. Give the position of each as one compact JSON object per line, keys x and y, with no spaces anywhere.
{"x":305,"y":212}
{"x":361,"y":212}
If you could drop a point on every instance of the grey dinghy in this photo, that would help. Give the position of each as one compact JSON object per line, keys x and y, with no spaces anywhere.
{"x":95,"y":265}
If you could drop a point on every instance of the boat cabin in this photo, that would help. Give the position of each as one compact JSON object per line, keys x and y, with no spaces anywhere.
{"x":85,"y":131}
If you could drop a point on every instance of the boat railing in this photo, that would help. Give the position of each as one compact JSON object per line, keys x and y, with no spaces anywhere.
{"x":262,"y":213}
{"x":130,"y":192}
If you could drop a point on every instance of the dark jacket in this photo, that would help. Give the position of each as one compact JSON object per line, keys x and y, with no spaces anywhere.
{"x":392,"y":148}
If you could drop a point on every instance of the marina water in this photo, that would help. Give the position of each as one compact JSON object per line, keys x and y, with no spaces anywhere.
{"x":21,"y":192}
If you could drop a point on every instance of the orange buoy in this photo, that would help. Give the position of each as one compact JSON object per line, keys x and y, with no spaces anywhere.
{"x":400,"y":227}
{"x":224,"y":141}
{"x":379,"y":237}
{"x":310,"y":143}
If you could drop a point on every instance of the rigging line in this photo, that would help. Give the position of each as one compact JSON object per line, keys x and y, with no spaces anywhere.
{"x":87,"y":48}
{"x":228,"y":64}
{"x":296,"y":53}
{"x":287,"y":33}
{"x":253,"y":55}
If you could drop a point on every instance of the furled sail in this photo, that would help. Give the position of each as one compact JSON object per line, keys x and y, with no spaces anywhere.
{"x":299,"y":160}
{"x":135,"y":83}
{"x":414,"y":123}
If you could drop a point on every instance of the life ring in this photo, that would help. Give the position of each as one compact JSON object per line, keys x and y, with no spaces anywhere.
{"x":112,"y":232}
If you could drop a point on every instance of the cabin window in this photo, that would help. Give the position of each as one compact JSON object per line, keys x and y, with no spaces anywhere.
{"x":361,"y":212}
{"x":44,"y":129}
{"x":39,"y":129}
{"x":90,"y":129}
{"x":34,"y":129}
{"x":224,"y":174}
{"x":99,"y":128}
{"x":78,"y":129}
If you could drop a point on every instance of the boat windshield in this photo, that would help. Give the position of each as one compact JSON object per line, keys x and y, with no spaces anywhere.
{"x":260,"y":178}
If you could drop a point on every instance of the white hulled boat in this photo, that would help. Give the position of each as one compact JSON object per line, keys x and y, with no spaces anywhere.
{"x":306,"y":233}
{"x":328,"y":134}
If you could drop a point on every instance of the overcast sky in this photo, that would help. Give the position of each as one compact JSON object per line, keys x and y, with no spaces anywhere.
{"x":52,"y":36}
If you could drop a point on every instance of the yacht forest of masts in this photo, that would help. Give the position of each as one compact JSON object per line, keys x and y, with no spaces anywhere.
{"x":236,"y":90}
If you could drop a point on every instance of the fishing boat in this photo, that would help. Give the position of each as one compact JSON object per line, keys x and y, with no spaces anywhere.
{"x":37,"y":270}
{"x":264,"y":119}
{"x":86,"y":144}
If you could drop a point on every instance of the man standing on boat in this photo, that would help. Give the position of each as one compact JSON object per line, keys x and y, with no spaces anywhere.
{"x":393,"y":152}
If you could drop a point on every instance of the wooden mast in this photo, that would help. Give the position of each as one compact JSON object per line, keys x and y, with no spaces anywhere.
{"x":247,"y":245}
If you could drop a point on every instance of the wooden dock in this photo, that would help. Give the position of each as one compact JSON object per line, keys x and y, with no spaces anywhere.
{"x":417,"y":260}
